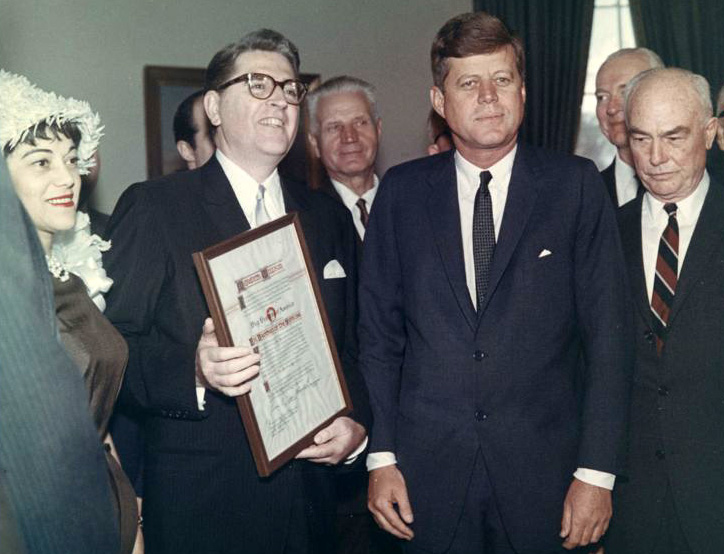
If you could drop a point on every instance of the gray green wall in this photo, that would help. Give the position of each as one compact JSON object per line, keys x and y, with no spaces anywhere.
{"x":96,"y":49}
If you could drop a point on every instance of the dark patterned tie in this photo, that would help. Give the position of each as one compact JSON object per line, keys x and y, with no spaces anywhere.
{"x":667,"y":265}
{"x":483,"y":237}
{"x":363,"y":213}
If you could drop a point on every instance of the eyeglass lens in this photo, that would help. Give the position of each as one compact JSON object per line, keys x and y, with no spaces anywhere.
{"x":262,"y":87}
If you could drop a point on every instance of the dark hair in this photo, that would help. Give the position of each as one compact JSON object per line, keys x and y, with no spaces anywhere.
{"x":47,"y":131}
{"x":437,"y":127}
{"x":470,"y":34}
{"x":183,"y":119}
{"x":221,"y":66}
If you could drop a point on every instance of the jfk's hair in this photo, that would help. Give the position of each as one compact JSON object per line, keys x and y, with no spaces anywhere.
{"x":47,"y":131}
{"x":470,"y":34}
{"x":221,"y":66}
{"x":697,"y":83}
{"x":342,"y":83}
{"x":183,"y":119}
{"x":651,"y":57}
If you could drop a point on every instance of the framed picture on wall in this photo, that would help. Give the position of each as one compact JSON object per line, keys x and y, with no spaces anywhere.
{"x":165,"y":87}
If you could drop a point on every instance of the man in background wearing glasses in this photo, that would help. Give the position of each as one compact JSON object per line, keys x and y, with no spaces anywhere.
{"x":202,"y":492}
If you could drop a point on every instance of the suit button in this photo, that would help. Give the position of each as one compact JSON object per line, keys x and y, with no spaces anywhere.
{"x":649,"y":336}
{"x":478,"y":355}
{"x":660,"y":454}
{"x":480,"y":415}
{"x":663,"y":391}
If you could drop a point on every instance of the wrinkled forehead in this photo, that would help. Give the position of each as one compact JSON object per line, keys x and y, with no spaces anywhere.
{"x":665,"y":102}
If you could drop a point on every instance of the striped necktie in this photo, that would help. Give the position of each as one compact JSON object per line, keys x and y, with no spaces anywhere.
{"x":667,"y":266}
{"x":483,"y":237}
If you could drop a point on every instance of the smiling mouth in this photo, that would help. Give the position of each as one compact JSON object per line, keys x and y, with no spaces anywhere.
{"x":62,"y":201}
{"x":272,"y":122}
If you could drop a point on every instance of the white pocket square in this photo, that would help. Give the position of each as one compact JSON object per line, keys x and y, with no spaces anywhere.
{"x":334,"y":270}
{"x":545,"y":252}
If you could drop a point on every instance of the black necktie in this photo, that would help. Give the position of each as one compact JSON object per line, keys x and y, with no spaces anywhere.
{"x":666,"y":277}
{"x":363,"y":214}
{"x":483,"y":237}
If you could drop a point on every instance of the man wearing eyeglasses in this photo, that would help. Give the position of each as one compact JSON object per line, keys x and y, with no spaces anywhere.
{"x":202,"y":492}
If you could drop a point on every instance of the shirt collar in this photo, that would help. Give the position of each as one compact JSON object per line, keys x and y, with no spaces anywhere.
{"x":349,"y":197}
{"x":469,"y":173}
{"x":687,"y":210}
{"x":624,"y":172}
{"x":245,"y":187}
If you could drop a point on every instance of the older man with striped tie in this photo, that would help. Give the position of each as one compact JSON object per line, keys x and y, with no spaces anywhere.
{"x":673,"y":237}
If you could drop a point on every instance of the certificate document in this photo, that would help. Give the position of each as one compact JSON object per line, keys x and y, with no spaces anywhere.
{"x":262,"y":292}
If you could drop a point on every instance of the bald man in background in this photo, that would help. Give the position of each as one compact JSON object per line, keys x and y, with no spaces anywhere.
{"x":618,"y":69}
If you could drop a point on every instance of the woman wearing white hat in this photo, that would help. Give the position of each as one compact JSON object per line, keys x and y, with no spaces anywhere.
{"x":48,"y":142}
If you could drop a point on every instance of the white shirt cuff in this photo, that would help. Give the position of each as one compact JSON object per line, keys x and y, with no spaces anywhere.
{"x":352,"y":457}
{"x":595,"y":477}
{"x":376,"y":460}
{"x":201,"y":398}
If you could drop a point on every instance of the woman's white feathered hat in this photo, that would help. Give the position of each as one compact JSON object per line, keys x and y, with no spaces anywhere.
{"x":23,"y":106}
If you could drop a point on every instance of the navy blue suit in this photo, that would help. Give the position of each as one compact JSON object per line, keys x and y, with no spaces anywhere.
{"x":537,"y":382}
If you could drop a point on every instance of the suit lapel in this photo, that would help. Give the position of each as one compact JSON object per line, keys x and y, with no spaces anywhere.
{"x":630,"y":225}
{"x":293,"y":200}
{"x":522,"y":195}
{"x":444,"y":212}
{"x":707,"y":236}
{"x":609,"y":178}
{"x":220,"y":202}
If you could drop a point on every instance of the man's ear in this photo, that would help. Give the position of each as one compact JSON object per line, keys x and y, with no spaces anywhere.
{"x":187,"y":153}
{"x":710,"y":129}
{"x":720,"y":133}
{"x":211,"y":107}
{"x":437,"y":99}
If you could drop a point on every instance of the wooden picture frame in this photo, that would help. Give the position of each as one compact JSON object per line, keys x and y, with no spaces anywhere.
{"x":262,"y":291}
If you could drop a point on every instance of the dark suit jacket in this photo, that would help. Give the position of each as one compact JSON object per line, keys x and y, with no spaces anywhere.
{"x":201,"y":489}
{"x":677,"y":409}
{"x":54,"y":491}
{"x":328,"y":188}
{"x":446,"y":383}
{"x":609,"y":179}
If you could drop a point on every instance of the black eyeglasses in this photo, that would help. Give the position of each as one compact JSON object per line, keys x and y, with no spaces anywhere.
{"x":261,"y":86}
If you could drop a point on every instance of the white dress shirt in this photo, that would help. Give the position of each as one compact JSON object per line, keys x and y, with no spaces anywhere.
{"x":654,"y":220}
{"x":350,"y":198}
{"x":468,"y":182}
{"x":627,"y":186}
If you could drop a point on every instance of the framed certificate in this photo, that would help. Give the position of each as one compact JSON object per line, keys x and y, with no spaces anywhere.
{"x":262,"y":292}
